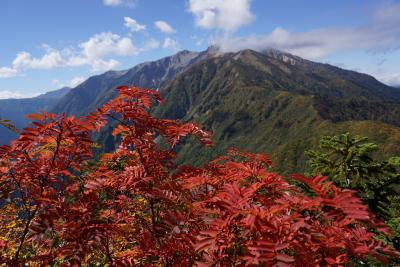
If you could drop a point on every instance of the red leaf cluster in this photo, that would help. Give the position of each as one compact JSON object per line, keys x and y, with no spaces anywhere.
{"x":134,"y":207}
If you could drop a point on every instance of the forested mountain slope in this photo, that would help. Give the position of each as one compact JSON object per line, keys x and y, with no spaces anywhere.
{"x":271,"y":101}
{"x":281,"y":104}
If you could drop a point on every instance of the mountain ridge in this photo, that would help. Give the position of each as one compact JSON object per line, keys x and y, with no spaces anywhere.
{"x":17,"y":109}
{"x":255,"y":102}
{"x":98,"y":89}
{"x":268,"y":101}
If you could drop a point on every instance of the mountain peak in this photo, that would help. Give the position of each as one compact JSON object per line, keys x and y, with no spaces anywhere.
{"x":283,"y":56}
{"x":184,"y":52}
{"x":213,"y":49}
{"x":114,"y":74}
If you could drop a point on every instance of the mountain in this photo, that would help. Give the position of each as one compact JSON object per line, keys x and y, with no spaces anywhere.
{"x":97,"y":90}
{"x":279,"y":103}
{"x":16,"y":110}
{"x":270,"y":101}
{"x":56,"y":94}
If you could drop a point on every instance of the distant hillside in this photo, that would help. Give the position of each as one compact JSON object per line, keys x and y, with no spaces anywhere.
{"x":281,"y":104}
{"x":16,"y":110}
{"x":56,"y":94}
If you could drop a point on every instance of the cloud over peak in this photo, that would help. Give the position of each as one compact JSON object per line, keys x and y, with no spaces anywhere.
{"x":380,"y":35}
{"x":171,"y":44}
{"x":392,"y":79}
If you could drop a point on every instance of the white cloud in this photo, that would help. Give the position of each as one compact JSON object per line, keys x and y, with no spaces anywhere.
{"x":112,"y":2}
{"x":95,"y":52}
{"x":133,"y":25}
{"x":77,"y":60}
{"x":6,"y":72}
{"x":382,"y":34}
{"x":74,"y":82}
{"x":107,"y":44}
{"x":104,"y":65}
{"x":164,"y":27}
{"x":96,"y":65}
{"x":15,"y":94}
{"x":100,"y":46}
{"x":171,"y":44}
{"x":24,"y":60}
{"x":150,"y":44}
{"x":392,"y":79}
{"x":198,"y":41}
{"x":115,"y":3}
{"x":57,"y":83}
{"x":225,"y":15}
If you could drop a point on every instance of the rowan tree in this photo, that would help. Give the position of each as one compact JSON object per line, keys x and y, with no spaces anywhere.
{"x":254,"y":217}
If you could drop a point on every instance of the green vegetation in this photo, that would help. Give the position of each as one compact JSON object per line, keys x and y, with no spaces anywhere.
{"x":348,"y":161}
{"x":260,"y":103}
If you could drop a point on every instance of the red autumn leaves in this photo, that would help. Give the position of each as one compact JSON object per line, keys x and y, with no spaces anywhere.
{"x":135,"y":207}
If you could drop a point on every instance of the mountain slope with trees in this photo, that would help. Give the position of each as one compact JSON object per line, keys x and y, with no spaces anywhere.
{"x":99,"y":89}
{"x":280,"y":103}
{"x":270,"y":101}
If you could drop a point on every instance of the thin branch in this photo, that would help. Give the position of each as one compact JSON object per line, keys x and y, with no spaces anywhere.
{"x":25,"y":232}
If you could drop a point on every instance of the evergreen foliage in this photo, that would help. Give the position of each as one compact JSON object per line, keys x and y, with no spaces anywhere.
{"x":349,"y":162}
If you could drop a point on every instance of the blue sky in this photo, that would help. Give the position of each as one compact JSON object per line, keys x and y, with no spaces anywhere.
{"x":49,"y":44}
